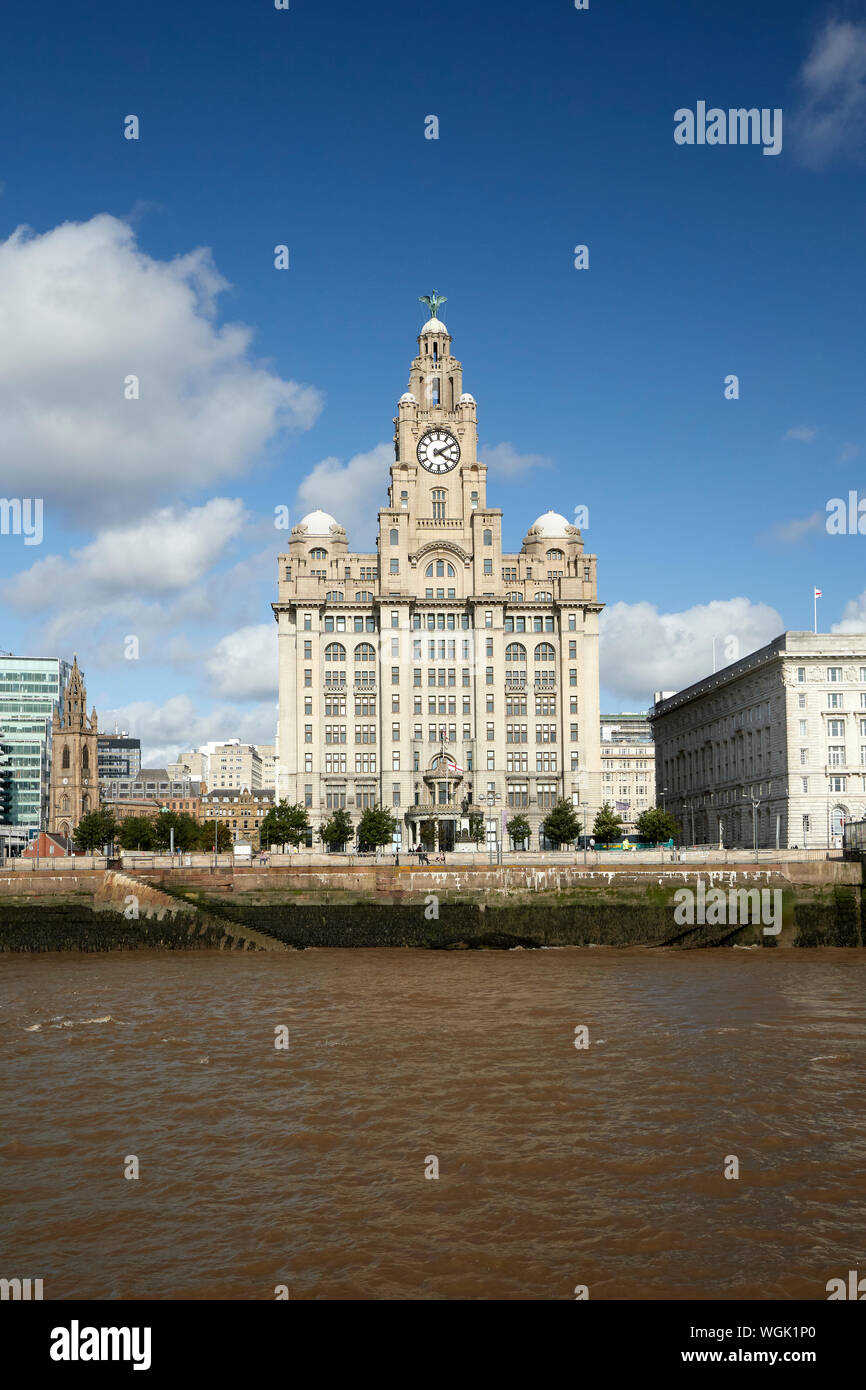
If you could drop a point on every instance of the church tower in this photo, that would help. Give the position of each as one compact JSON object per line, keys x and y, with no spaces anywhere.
{"x":74,"y":787}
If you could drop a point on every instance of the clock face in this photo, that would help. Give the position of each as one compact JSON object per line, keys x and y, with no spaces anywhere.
{"x":438,"y":451}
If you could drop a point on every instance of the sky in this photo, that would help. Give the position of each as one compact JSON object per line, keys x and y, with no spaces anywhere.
{"x":606,"y":387}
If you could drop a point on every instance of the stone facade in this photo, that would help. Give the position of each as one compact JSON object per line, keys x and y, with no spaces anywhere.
{"x":438,"y":675}
{"x":241,"y":812}
{"x":74,"y":785}
{"x":627,"y":766}
{"x":775,"y":742}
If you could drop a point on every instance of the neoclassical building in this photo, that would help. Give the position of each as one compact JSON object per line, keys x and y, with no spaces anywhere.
{"x":74,"y":783}
{"x":439,"y":676}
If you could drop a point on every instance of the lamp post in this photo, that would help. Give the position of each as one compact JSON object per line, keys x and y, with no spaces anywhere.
{"x":755,"y":804}
{"x":584,"y":806}
{"x":664,"y":794}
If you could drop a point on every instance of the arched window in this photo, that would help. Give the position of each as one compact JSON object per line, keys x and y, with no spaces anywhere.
{"x":555,"y":555}
{"x":85,"y":804}
{"x":515,"y":651}
{"x":335,"y":651}
{"x":363,"y":597}
{"x":394,"y":536}
{"x":65,"y":760}
{"x":317,"y":553}
{"x":544,"y":597}
{"x":544,"y":652}
{"x":488,"y":537}
{"x":365,"y":652}
{"x":64,"y":805}
{"x":85,"y":759}
{"x":441,"y":570}
{"x":514,"y":598}
{"x":335,"y":596}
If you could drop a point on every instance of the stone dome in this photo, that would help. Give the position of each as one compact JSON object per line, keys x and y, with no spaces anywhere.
{"x":408,"y":399}
{"x":551,"y":524}
{"x":466,"y":399}
{"x":434,"y":326}
{"x":318,"y":523}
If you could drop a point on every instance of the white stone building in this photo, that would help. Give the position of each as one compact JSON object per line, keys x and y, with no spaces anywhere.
{"x":627,"y":766}
{"x":438,"y":675}
{"x":775,"y":742}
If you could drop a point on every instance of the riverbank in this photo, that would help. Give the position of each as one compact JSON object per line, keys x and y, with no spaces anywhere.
{"x":789,"y":903}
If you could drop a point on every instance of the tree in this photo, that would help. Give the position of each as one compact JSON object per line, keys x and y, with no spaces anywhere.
{"x":477,"y":828}
{"x":427,"y":833}
{"x":656,"y":827}
{"x":95,"y":829}
{"x":136,"y":832}
{"x":285,"y":825}
{"x":205,"y":837}
{"x":561,"y":824}
{"x":376,"y":827}
{"x":336,"y":832}
{"x":186,"y":830}
{"x":608,"y":825}
{"x":518,"y":829}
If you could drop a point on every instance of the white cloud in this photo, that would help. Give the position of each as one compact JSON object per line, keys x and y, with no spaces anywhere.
{"x":804,"y":433}
{"x":504,"y":461}
{"x":832,"y":118}
{"x":853,"y":616}
{"x":179,"y":724}
{"x":82,"y":308}
{"x":244,"y":663}
{"x":792,"y":531}
{"x":849,"y":451}
{"x":167,"y":551}
{"x":643,"y":650}
{"x":351,"y":492}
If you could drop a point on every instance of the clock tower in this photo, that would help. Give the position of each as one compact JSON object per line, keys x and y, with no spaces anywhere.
{"x":440,"y":677}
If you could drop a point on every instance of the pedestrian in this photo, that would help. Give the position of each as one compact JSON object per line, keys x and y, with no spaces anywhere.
{"x":396,"y":861}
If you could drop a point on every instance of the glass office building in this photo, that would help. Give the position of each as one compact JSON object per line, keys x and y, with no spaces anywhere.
{"x":30,"y":688}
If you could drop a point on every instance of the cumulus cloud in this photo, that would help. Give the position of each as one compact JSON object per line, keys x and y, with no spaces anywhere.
{"x":179,"y":724}
{"x":244,"y":663}
{"x":831,"y":120}
{"x":792,"y":531}
{"x":81,"y":309}
{"x":804,"y":433}
{"x":352,"y":492}
{"x":166,"y":551}
{"x":504,"y":461}
{"x":853,"y":616}
{"x":643,"y":650}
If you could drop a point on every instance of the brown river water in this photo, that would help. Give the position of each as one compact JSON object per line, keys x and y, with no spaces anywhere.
{"x":602,"y":1166}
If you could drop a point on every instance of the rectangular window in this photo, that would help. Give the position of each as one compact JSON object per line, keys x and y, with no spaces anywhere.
{"x":572,"y":650}
{"x":308,"y":651}
{"x":801,"y":674}
{"x":395,"y":761}
{"x":308,"y":762}
{"x":488,"y":675}
{"x":395,"y":675}
{"x":308,"y":677}
{"x":834,"y":674}
{"x":801,"y":701}
{"x":394,"y":565}
{"x":491,"y":760}
{"x":834,"y":699}
{"x":395,"y":795}
{"x":308,"y":621}
{"x":488,"y":565}
{"x":572,"y":676}
{"x":836,"y":728}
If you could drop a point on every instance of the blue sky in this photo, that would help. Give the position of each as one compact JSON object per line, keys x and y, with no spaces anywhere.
{"x":602,"y":387}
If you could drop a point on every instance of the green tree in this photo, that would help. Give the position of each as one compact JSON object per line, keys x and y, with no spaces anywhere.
{"x":95,"y":829}
{"x":285,"y":825}
{"x":518,"y":829}
{"x":136,"y":832}
{"x":561,"y":824}
{"x":608,"y":825}
{"x":205,"y":837}
{"x":477,"y":828}
{"x":376,"y":827}
{"x":427,"y":832}
{"x":337,"y":832}
{"x":186,"y":830}
{"x":656,"y":827}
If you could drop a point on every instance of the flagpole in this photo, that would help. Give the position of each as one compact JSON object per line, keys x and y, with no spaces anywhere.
{"x":815,"y":600}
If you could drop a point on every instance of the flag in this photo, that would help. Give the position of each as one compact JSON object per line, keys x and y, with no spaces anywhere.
{"x":818,"y":593}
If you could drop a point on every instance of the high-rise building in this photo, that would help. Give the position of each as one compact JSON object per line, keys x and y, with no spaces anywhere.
{"x":119,"y":756}
{"x":31,"y":689}
{"x":772,"y":748}
{"x":228,"y":764}
{"x":440,"y":675}
{"x":627,"y":766}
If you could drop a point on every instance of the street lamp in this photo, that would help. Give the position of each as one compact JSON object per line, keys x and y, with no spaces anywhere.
{"x":755,"y":804}
{"x":584,"y":806}
{"x":664,"y":794}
